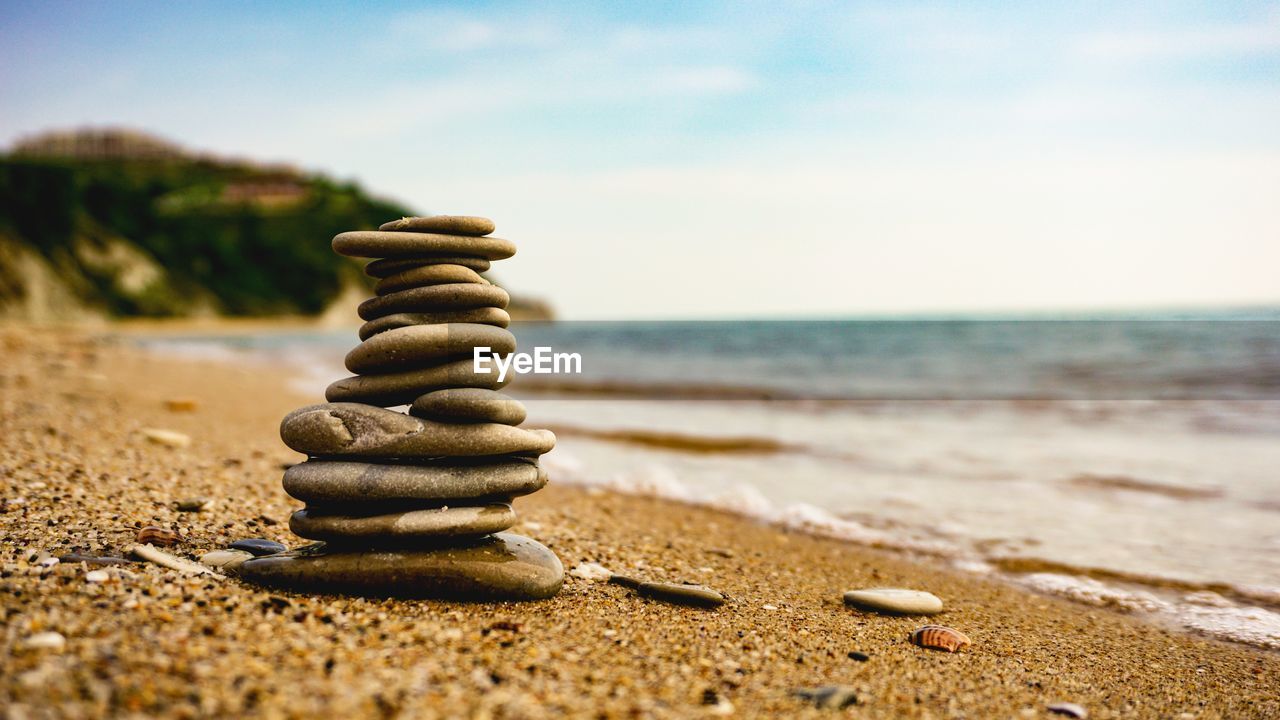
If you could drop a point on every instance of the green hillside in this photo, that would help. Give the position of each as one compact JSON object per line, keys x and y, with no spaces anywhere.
{"x":162,"y":236}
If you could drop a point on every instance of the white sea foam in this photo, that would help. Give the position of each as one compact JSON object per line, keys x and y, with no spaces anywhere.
{"x":564,"y":468}
{"x":201,"y":350}
{"x":1260,"y":593}
{"x":1206,"y":598}
{"x":651,"y":481}
{"x":1203,"y":612}
{"x":661,"y":481}
{"x":809,"y":518}
{"x":1252,"y":625}
{"x":975,"y":567}
{"x":1093,"y":592}
{"x":744,"y":500}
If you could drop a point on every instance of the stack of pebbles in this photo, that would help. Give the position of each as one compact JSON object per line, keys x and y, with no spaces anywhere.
{"x":415,"y":504}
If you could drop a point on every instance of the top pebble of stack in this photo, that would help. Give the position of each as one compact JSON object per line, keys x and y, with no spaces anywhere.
{"x":426,"y":236}
{"x":448,"y":224}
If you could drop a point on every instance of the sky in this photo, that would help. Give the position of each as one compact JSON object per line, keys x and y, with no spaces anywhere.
{"x":735,"y":159}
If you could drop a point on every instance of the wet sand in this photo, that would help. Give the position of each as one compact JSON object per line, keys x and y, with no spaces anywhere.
{"x":78,"y":476}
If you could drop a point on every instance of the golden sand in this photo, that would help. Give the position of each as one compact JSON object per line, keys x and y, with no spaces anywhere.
{"x":79,"y":475}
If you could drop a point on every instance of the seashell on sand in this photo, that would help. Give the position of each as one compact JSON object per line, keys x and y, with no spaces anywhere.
{"x":940,"y":637}
{"x":158,"y":536}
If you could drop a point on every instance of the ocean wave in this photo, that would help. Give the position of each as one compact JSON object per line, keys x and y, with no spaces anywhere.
{"x":1093,"y":592}
{"x":652,"y":390}
{"x":680,"y":441}
{"x":1219,"y":610}
{"x":1132,"y":484}
{"x":659,"y":481}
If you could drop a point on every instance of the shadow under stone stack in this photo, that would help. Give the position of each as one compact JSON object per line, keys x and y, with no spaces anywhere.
{"x":415,"y":504}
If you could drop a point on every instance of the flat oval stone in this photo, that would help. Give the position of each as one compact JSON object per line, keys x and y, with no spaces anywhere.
{"x":434,"y":298}
{"x":451,"y":224}
{"x":386,"y":267}
{"x":336,"y":481}
{"x":469,"y":405}
{"x":402,"y":388}
{"x":427,"y":275}
{"x":355,"y":430}
{"x":403,"y":526}
{"x":504,"y":566}
{"x":482,"y":316}
{"x":379,"y":244}
{"x":228,"y":561}
{"x":895,"y":601}
{"x":258,"y":546}
{"x":419,"y":345}
{"x":698,"y":595}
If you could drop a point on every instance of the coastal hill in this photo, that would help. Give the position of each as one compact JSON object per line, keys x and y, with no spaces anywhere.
{"x":118,"y":223}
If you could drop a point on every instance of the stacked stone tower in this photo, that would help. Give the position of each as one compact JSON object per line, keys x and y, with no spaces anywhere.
{"x":415,"y":504}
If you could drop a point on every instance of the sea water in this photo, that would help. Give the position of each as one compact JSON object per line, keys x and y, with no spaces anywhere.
{"x":1127,"y":462}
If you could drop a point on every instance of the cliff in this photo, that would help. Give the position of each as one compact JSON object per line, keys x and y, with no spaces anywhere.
{"x":104,"y":223}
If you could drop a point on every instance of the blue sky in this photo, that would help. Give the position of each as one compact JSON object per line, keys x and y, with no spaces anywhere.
{"x":736,"y":159}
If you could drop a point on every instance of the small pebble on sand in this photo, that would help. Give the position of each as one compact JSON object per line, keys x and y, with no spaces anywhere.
{"x":859,"y":656}
{"x":96,"y":576}
{"x":182,"y":404}
{"x":696,"y":595}
{"x":894,"y":601}
{"x":716,"y":705}
{"x":258,"y":546}
{"x":45,"y":641}
{"x":1069,"y":709}
{"x":835,"y":697}
{"x":592,"y":572}
{"x":168,"y":438}
{"x":194,"y":504}
{"x":225,"y":560}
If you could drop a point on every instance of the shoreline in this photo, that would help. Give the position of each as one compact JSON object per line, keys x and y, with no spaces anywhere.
{"x":1214,"y":606}
{"x":72,"y":412}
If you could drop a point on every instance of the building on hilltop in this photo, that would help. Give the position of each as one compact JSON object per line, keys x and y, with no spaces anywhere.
{"x":97,"y":144}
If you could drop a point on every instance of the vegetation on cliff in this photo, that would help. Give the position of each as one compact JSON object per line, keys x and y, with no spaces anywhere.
{"x":120,"y":223}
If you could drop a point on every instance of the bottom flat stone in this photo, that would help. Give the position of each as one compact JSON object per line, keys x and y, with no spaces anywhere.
{"x":503,"y":566}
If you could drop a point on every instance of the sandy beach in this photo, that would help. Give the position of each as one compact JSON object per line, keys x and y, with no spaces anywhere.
{"x":79,"y":476}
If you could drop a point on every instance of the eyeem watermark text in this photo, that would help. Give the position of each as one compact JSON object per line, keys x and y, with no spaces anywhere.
{"x":543,"y":361}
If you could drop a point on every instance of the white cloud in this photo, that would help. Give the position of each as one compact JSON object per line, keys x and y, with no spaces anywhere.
{"x":1225,"y":40}
{"x":648,"y":39}
{"x":711,"y":80}
{"x":426,"y":32}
